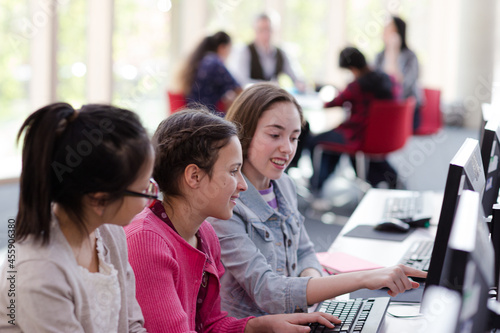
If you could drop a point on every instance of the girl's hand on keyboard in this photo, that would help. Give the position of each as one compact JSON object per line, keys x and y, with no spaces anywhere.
{"x":290,"y":322}
{"x":395,"y":278}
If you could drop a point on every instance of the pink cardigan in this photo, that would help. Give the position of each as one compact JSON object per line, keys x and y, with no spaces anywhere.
{"x":168,"y":274}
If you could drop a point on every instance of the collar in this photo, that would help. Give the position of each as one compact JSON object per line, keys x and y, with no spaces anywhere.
{"x":256,"y":203}
{"x":262,"y":51}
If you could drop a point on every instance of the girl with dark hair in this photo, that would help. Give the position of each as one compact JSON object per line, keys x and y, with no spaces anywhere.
{"x":174,"y":252}
{"x":400,"y":62}
{"x":368,"y":85}
{"x":85,"y":174}
{"x":270,"y":263}
{"x":204,"y":79}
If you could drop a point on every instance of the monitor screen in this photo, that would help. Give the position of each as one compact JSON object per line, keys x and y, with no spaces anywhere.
{"x":490,"y":153}
{"x":465,"y":173}
{"x":469,"y":267}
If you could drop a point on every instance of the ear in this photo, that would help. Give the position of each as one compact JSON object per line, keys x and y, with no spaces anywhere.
{"x":193,"y":175}
{"x":97,"y":202}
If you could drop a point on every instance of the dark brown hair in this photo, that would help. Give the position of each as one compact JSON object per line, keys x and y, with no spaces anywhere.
{"x":192,"y":136}
{"x":68,"y":154}
{"x":249,"y":106}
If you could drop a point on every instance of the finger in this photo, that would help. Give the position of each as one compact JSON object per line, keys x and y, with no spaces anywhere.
{"x":406,"y":282}
{"x":415,"y":285}
{"x":393,"y":289}
{"x":317,"y":317}
{"x":330,"y":317}
{"x":409,"y":271}
{"x":298,"y":328}
{"x":306,"y":318}
{"x":400,"y":287}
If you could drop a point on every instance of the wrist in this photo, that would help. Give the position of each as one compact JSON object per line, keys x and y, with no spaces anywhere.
{"x":253,"y":325}
{"x":361,"y":280}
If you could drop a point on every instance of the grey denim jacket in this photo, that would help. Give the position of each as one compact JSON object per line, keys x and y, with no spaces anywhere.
{"x":264,"y":252}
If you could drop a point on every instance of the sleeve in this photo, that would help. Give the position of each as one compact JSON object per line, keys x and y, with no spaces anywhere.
{"x":288,"y":69}
{"x":272,"y":293}
{"x":45,"y":298}
{"x":154,"y":271}
{"x":222,"y":78}
{"x":241,"y":66}
{"x":345,"y":96}
{"x":135,"y":317}
{"x":410,"y":73}
{"x":379,"y":59}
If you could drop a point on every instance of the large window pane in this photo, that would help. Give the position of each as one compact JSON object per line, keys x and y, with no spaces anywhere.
{"x":141,"y":39}
{"x":16,"y":32}
{"x":72,"y":51}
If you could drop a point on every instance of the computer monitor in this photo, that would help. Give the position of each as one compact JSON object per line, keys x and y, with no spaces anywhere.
{"x":465,"y":173}
{"x":469,"y":267}
{"x":490,"y":153}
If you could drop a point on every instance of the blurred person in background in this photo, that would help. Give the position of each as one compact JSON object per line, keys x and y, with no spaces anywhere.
{"x":400,"y":62}
{"x":367,"y":86}
{"x":204,"y":79}
{"x":262,"y":61}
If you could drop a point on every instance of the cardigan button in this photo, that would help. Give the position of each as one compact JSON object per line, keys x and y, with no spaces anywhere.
{"x":289,"y":242}
{"x":293,"y":266}
{"x":267,"y":234}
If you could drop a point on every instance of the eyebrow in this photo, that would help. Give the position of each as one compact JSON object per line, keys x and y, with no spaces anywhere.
{"x":236,"y":164}
{"x":281,"y":127}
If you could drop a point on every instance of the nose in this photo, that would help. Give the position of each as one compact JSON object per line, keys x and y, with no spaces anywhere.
{"x":287,"y":146}
{"x":242,"y":184}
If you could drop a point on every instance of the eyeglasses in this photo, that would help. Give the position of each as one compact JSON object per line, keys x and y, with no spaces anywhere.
{"x":150,"y":193}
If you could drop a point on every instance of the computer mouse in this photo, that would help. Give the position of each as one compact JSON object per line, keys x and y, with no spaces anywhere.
{"x":392,"y":225}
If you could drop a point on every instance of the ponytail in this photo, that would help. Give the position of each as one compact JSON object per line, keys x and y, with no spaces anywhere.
{"x":41,"y":130}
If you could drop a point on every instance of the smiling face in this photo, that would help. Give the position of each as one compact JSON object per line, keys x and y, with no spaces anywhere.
{"x":273,"y":145}
{"x":222,"y":189}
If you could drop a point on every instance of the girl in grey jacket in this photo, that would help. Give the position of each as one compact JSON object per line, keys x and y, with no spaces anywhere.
{"x":270,"y":262}
{"x":85,"y":175}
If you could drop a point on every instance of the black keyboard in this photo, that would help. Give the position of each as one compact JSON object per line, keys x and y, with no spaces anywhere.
{"x":405,"y":207}
{"x":418,"y":255}
{"x":358,"y":315}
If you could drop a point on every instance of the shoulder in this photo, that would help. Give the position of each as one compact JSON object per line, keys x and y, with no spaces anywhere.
{"x":113,"y":235}
{"x":211,"y":59}
{"x":149,"y":233}
{"x":408,"y":55}
{"x":145,"y":221}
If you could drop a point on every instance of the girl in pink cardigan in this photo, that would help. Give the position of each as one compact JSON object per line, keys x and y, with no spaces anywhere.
{"x":174,"y":252}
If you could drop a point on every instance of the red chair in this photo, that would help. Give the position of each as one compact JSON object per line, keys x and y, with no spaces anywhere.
{"x":390,"y":124}
{"x":430,"y":113}
{"x":176,"y":101}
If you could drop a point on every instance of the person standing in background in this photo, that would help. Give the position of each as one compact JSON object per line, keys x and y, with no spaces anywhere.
{"x":261,"y":60}
{"x":400,"y":62}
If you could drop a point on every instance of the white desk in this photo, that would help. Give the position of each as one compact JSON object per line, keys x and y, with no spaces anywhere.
{"x":385,"y":253}
{"x":320,"y":119}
